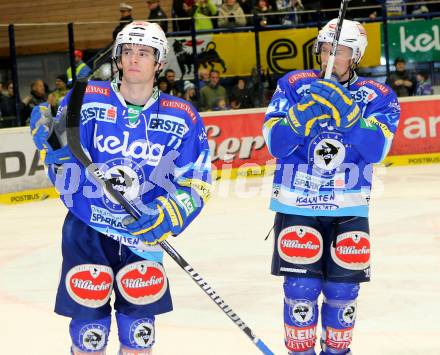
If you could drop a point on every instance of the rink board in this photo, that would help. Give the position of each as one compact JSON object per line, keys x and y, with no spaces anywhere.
{"x":236,"y":144}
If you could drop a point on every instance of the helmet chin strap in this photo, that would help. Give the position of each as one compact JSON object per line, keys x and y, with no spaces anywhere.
{"x":156,"y":75}
{"x":159,"y":69}
{"x":119,"y":78}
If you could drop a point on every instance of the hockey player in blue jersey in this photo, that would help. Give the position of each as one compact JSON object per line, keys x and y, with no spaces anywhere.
{"x":326,"y":136}
{"x":153,"y":148}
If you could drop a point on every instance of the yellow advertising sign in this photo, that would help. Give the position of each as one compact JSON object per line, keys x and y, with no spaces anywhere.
{"x":373,"y":52}
{"x":286,"y":50}
{"x":280,"y":50}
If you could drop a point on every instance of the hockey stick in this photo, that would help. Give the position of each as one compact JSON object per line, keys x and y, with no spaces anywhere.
{"x":73,"y":141}
{"x":331,"y":59}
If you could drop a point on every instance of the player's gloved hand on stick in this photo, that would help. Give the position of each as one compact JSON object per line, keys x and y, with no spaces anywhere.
{"x":165,"y":217}
{"x":42,"y":127}
{"x":344,"y":110}
{"x":305,"y":117}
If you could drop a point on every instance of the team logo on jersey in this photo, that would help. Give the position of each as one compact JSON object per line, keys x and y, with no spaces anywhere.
{"x":395,"y":106}
{"x":279,"y":90}
{"x":303,"y":90}
{"x":149,"y":153}
{"x":179,"y":105}
{"x":93,"y":89}
{"x":132,"y":116}
{"x":382,"y":88}
{"x":168,"y":124}
{"x":93,"y":337}
{"x":126,"y":177}
{"x":300,"y":339}
{"x":142,"y":333}
{"x":338,"y":338}
{"x":275,"y":191}
{"x":322,"y":201}
{"x":365,"y":95}
{"x":98,"y":111}
{"x":352,"y":250}
{"x":143,"y":282}
{"x":300,"y":245}
{"x":301,"y":312}
{"x":202,"y":135}
{"x":292,"y":79}
{"x":347,"y":315}
{"x":103,"y":216}
{"x":327,"y":153}
{"x":90,"y":285}
{"x":314,"y":183}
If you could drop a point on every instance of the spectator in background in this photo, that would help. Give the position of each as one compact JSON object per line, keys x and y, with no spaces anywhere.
{"x":189,"y":93}
{"x":294,"y":6}
{"x":60,"y":89}
{"x":202,"y":12}
{"x":232,"y":15}
{"x":82,"y":69}
{"x":418,"y":9}
{"x":125,"y":19}
{"x":254,"y":86}
{"x":218,"y":4}
{"x":162,"y":83}
{"x":221,"y":105}
{"x":432,"y":7}
{"x":156,"y":13}
{"x":55,"y":97}
{"x":395,"y":7}
{"x":182,"y":9}
{"x":401,"y":81}
{"x":233,"y":103}
{"x":173,"y":85}
{"x":37,"y":96}
{"x":8,"y":110}
{"x":424,"y":86}
{"x":261,"y":9}
{"x":211,"y":93}
{"x":240,"y":96}
{"x":203,"y":77}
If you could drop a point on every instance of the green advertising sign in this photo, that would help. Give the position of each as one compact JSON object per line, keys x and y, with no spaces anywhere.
{"x":416,"y":41}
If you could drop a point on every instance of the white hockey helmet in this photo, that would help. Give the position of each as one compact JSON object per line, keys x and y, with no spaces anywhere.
{"x":143,"y":33}
{"x":352,"y":35}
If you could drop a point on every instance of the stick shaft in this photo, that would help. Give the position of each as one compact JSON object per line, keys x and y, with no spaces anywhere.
{"x":331,"y":59}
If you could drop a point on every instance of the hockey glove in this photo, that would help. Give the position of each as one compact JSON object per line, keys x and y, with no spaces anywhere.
{"x":42,"y":130}
{"x":344,"y":110}
{"x":165,"y":218}
{"x":304,"y":117}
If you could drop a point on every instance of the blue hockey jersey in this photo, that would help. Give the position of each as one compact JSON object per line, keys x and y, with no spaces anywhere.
{"x":161,"y":151}
{"x":328,"y":174}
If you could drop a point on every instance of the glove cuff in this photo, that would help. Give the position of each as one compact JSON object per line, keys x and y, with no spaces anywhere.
{"x":293,"y":121}
{"x":174,"y":215}
{"x":59,"y":156}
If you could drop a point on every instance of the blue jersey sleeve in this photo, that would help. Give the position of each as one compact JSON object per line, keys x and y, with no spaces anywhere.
{"x":70,"y":178}
{"x":373,"y":135}
{"x":192,"y":171}
{"x":280,"y":139}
